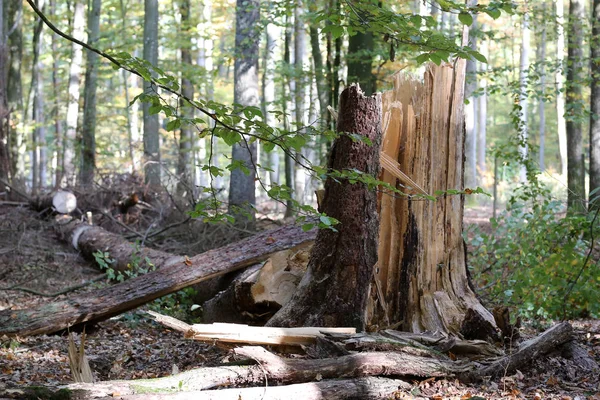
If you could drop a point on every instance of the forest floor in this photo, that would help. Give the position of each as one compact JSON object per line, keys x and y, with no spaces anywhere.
{"x":35,"y":265}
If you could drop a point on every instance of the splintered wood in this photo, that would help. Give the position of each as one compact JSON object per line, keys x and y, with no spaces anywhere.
{"x":238,"y":333}
{"x":420,"y":283}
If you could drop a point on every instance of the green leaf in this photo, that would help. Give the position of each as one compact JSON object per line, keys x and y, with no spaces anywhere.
{"x":154,"y":109}
{"x":494,"y":13}
{"x":434,"y":57}
{"x":230,"y":137}
{"x":307,"y":227}
{"x":174,"y":124}
{"x":422,"y":58}
{"x":465,"y":18}
{"x":479,"y":57}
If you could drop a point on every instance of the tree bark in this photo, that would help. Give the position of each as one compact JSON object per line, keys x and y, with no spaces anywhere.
{"x":38,"y":135}
{"x":185,"y":167}
{"x":523,"y":98}
{"x":482,"y":113}
{"x":4,"y":111}
{"x":88,"y":143}
{"x":335,"y":288}
{"x":68,"y":176}
{"x":541,"y":102}
{"x":173,"y":273}
{"x":242,"y":196}
{"x":13,"y":21}
{"x":595,"y":107}
{"x":151,"y":137}
{"x":471,"y":109}
{"x":575,"y":80}
{"x":561,"y":128}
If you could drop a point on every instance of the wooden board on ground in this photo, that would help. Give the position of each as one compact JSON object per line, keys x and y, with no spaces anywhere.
{"x":238,"y":333}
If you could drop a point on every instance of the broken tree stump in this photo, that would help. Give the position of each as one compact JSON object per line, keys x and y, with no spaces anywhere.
{"x":422,"y":282}
{"x":174,"y":274}
{"x":335,"y":287}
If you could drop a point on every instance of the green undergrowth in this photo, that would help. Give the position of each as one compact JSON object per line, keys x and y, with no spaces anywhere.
{"x":538,"y":259}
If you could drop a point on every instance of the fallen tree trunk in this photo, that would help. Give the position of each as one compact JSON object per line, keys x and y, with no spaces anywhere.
{"x":362,"y":388}
{"x":89,"y":239}
{"x":259,"y":291}
{"x":61,"y":201}
{"x":173,"y":273}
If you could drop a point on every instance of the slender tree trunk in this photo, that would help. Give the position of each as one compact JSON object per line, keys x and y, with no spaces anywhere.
{"x":38,"y":135}
{"x":68,"y":177}
{"x":471,"y":110}
{"x":14,"y":91}
{"x":88,"y":144}
{"x":242,"y":196}
{"x":130,"y":111}
{"x":542,"y":103}
{"x":575,"y":171}
{"x":595,"y":107}
{"x":4,"y":111}
{"x":151,"y":137}
{"x":186,"y":139}
{"x":322,"y":92}
{"x":560,"y":96}
{"x":300,"y":82}
{"x":360,"y":61}
{"x":523,"y":99}
{"x":273,"y":32}
{"x":482,"y":115}
{"x":335,"y":287}
{"x":287,"y":91}
{"x":205,"y":61}
{"x":58,"y":126}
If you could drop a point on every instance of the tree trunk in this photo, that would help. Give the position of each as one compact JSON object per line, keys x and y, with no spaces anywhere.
{"x":37,"y":116}
{"x":575,"y":80}
{"x":14,"y":92}
{"x":68,"y":177}
{"x":287,"y":88}
{"x":186,"y":138}
{"x":242,"y":196}
{"x":4,"y":111}
{"x":273,"y":33}
{"x":360,"y":60}
{"x":173,"y":273}
{"x":151,"y":137}
{"x":523,"y":98}
{"x":58,"y":126}
{"x":471,"y":109}
{"x":560,"y":95}
{"x":595,"y":107}
{"x":300,"y":86}
{"x":482,"y":114}
{"x":422,"y":278}
{"x":322,"y":92}
{"x":542,"y":103}
{"x":335,"y":288}
{"x":88,"y":144}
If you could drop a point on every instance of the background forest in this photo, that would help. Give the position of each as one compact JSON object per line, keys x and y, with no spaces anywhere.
{"x":70,"y":118}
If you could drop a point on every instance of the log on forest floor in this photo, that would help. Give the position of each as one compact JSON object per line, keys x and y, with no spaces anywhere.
{"x":173,"y":273}
{"x":61,"y":201}
{"x":370,"y":370}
